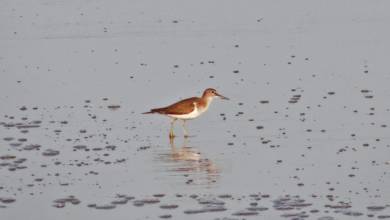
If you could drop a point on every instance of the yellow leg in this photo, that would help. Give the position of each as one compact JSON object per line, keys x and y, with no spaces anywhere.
{"x":172,"y":142}
{"x":171,"y":134}
{"x":185,"y":129}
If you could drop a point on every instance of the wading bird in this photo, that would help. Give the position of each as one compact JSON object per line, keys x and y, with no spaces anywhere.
{"x":187,"y":109}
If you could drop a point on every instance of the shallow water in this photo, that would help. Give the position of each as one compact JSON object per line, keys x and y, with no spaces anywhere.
{"x":305,"y":134}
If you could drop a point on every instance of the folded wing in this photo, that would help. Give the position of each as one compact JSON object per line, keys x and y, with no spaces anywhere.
{"x":182,"y":107}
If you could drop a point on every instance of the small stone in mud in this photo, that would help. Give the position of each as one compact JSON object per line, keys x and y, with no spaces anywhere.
{"x":8,"y":138}
{"x":16,"y":144}
{"x":120,"y":202}
{"x":193,"y":196}
{"x":27,"y":126}
{"x":150,"y":201}
{"x":105,"y":207}
{"x":225,"y":196}
{"x":326,"y":218}
{"x":145,"y":201}
{"x":50,"y":152}
{"x":297,"y":215}
{"x":204,"y":210}
{"x":7,"y":200}
{"x":168,"y":206}
{"x":376,"y":208}
{"x":32,"y":147}
{"x":7,"y":157}
{"x":110,"y":147}
{"x":245,"y":213}
{"x":349,"y":212}
{"x":60,"y":203}
{"x":113,"y":107}
{"x":143,"y":148}
{"x":79,"y":147}
{"x":339,"y":206}
{"x":256,"y":209}
{"x":210,"y":201}
{"x":125,"y":196}
{"x":159,"y":195}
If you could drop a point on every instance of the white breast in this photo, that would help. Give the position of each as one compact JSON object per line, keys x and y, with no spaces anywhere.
{"x":197,"y":111}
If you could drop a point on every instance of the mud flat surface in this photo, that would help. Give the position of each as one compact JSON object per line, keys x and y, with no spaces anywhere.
{"x":305,"y":134}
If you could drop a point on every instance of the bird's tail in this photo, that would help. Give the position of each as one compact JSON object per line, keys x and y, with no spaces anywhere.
{"x":155,"y":110}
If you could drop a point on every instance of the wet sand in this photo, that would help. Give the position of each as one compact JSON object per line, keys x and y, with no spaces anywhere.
{"x":305,"y":134}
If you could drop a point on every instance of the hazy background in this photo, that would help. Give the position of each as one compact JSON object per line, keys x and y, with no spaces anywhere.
{"x":308,"y":83}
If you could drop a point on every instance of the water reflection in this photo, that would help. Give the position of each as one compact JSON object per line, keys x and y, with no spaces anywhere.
{"x":188,"y":162}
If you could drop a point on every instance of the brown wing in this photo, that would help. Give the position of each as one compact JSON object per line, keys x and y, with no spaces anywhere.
{"x":179,"y":108}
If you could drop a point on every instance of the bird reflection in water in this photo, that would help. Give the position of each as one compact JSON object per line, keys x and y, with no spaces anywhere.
{"x":190,"y":163}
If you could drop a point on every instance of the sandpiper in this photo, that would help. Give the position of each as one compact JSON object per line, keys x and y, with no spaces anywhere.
{"x":187,"y":109}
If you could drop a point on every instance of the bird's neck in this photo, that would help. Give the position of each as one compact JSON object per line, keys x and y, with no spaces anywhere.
{"x":205,"y":101}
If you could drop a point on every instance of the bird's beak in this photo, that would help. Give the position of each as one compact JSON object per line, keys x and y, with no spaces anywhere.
{"x":222,"y":97}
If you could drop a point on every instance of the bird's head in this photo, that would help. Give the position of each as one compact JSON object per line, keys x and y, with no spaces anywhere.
{"x":211,"y":93}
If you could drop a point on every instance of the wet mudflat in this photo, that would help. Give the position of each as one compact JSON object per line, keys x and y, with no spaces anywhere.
{"x":305,"y":134}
